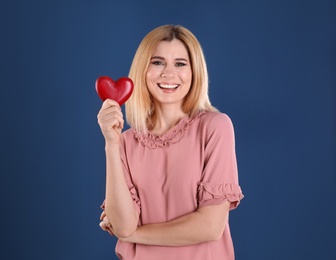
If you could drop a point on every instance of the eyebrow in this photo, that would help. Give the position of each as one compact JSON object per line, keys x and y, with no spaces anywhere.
{"x":161,"y":58}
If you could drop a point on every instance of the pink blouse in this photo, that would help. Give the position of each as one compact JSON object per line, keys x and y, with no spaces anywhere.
{"x":191,"y":166}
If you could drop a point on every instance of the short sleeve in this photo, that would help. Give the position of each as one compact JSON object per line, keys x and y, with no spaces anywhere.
{"x":219,"y":182}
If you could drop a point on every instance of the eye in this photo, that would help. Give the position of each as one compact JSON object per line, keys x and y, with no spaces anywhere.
{"x":157,"y":62}
{"x":180,"y":64}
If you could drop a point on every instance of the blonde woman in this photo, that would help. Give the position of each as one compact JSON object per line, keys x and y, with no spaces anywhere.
{"x":171,"y":179}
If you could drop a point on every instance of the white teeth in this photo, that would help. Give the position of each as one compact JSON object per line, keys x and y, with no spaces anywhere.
{"x":168,"y":86}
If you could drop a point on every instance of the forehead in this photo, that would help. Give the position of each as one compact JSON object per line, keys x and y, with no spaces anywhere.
{"x":174,"y":48}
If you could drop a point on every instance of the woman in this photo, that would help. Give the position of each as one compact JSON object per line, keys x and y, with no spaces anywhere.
{"x":171,"y":178}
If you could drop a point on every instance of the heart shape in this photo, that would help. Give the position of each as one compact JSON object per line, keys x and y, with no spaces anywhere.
{"x":119,"y":91}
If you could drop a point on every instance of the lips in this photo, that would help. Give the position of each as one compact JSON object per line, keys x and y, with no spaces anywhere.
{"x":168,"y":86}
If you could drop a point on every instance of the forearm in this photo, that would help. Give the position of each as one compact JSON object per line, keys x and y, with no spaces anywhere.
{"x":193,"y":228}
{"x":119,"y":206}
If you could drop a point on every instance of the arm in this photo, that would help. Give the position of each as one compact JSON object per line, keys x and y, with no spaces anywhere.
{"x":119,"y":207}
{"x":205,"y":224}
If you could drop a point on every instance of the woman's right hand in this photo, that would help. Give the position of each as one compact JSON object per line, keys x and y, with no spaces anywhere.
{"x":110,"y":120}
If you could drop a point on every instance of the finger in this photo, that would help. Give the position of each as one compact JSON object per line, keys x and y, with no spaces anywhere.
{"x":112,"y":125}
{"x":110,"y":232}
{"x":114,"y":120}
{"x":102,"y":215}
{"x":104,"y":112}
{"x":110,"y":113}
{"x":109,"y":228}
{"x":110,"y":120}
{"x":110,"y":103}
{"x":106,"y":222}
{"x":110,"y":108}
{"x":102,"y":225}
{"x":106,"y":226}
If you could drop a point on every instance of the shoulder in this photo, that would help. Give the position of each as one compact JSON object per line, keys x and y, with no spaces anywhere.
{"x":217,"y":127}
{"x":127,"y":133}
{"x":127,"y":136}
{"x":216,"y":120}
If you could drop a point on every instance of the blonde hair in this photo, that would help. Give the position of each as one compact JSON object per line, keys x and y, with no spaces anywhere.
{"x":140,"y":109}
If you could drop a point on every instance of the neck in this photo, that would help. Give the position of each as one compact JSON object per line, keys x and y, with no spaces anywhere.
{"x":166,"y":118}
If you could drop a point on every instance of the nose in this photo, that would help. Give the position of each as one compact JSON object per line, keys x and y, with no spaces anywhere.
{"x":168,"y":72}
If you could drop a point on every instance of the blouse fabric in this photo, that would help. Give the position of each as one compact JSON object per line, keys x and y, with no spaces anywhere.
{"x":191,"y":166}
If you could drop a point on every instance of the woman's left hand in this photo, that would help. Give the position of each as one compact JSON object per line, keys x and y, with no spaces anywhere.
{"x":105,"y":224}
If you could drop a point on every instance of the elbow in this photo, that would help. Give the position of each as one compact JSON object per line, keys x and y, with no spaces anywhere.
{"x":217,"y":236}
{"x":215,"y":233}
{"x":123,"y":233}
{"x":123,"y":230}
{"x":123,"y":226}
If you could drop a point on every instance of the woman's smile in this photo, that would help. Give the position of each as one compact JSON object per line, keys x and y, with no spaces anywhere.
{"x":168,"y":86}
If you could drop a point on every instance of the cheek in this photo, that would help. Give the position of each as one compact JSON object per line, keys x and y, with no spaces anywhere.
{"x":149,"y":78}
{"x":150,"y":82}
{"x":187,"y":77}
{"x":150,"y":75}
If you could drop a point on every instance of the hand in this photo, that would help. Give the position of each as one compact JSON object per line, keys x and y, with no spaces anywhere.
{"x":105,"y":224}
{"x":110,"y":120}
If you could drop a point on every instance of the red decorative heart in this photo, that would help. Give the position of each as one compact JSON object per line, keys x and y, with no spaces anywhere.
{"x":119,"y":91}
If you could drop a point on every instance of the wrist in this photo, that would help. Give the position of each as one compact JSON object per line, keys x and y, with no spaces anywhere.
{"x":112,"y":145}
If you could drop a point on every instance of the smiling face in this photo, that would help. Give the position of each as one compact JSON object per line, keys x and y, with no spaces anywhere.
{"x":169,"y":73}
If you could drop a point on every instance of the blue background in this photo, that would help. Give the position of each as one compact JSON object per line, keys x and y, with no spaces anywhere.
{"x":272,"y":70}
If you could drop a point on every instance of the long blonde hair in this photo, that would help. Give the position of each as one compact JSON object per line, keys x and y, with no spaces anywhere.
{"x":140,"y":110}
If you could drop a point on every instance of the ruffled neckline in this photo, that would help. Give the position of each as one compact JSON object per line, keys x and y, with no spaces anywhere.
{"x":173,"y":135}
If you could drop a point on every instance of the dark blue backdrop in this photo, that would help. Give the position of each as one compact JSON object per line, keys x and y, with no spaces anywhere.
{"x":272,"y":69}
